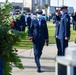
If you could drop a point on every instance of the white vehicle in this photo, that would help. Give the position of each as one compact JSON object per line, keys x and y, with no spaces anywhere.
{"x":70,"y":10}
{"x":51,"y":10}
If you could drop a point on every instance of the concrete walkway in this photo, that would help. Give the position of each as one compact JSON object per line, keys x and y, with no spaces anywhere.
{"x":47,"y":61}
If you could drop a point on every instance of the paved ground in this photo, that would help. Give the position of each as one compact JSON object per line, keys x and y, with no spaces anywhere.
{"x":47,"y":61}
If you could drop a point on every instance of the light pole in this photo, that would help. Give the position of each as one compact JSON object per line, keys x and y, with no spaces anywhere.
{"x":50,"y":2}
{"x":57,"y":2}
{"x":41,"y":4}
{"x":62,"y":2}
{"x":22,"y":5}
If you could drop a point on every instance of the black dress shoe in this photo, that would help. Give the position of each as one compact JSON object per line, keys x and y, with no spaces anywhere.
{"x":39,"y":70}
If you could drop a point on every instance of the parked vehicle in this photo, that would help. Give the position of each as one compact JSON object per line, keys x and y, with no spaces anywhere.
{"x":51,"y":10}
{"x":70,"y":10}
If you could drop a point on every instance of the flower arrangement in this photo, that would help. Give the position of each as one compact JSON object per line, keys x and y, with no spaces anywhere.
{"x":8,"y":37}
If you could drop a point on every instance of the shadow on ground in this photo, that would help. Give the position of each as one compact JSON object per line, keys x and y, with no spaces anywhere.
{"x":42,"y":58}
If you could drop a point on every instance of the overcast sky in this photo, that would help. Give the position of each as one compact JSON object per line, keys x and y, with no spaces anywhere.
{"x":53,"y":2}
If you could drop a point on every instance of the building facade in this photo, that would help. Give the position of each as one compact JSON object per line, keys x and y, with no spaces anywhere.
{"x":33,"y":3}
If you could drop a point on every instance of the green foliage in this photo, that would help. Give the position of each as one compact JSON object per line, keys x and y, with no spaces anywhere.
{"x":45,"y":6}
{"x":37,"y":7}
{"x":8,"y":38}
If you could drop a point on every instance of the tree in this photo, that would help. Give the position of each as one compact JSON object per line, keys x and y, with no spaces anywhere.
{"x":37,"y":7}
{"x":8,"y":37}
{"x":45,"y":7}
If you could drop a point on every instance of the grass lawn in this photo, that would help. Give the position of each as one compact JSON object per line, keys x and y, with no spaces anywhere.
{"x":25,"y":43}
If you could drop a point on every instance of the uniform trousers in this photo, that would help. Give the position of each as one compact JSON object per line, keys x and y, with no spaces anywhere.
{"x":64,"y":44}
{"x":38,"y":52}
{"x":1,"y":66}
{"x":59,"y":52}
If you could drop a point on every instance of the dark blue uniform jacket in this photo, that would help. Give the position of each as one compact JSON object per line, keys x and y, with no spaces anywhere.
{"x":58,"y":18}
{"x":39,"y":32}
{"x":64,"y":26}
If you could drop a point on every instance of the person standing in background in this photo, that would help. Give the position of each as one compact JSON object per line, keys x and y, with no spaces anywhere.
{"x":57,"y":27}
{"x":74,"y":21}
{"x":23,"y":22}
{"x":29,"y":22}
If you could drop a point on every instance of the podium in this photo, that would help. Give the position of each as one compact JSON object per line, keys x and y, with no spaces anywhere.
{"x":66,"y":65}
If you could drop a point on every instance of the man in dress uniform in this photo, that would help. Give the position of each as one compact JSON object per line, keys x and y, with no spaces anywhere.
{"x":57,"y":27}
{"x":38,"y":35}
{"x":64,"y":31}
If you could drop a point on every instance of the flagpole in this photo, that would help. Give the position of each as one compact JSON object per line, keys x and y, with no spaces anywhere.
{"x":22,"y":5}
{"x":57,"y":2}
{"x":50,"y":2}
{"x":62,"y":2}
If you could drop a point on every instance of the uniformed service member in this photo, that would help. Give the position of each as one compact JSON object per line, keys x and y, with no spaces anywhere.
{"x":38,"y":35}
{"x":64,"y":31}
{"x":57,"y":27}
{"x":22,"y":22}
{"x":17,"y":25}
{"x":29,"y":22}
{"x":74,"y":21}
